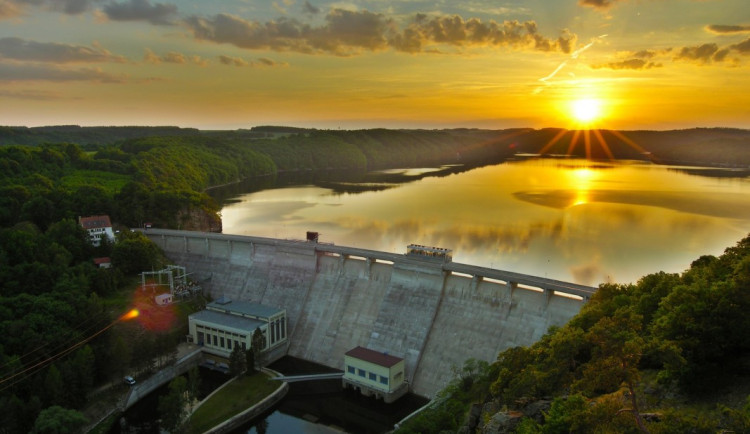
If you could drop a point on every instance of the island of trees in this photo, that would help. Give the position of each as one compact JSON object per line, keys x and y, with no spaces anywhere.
{"x":668,"y":354}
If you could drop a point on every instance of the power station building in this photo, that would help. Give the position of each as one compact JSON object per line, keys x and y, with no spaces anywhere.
{"x":225,"y":324}
{"x":375,"y":374}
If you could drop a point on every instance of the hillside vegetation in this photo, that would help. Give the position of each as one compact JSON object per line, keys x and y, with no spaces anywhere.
{"x":669,"y":354}
{"x":162,"y":179}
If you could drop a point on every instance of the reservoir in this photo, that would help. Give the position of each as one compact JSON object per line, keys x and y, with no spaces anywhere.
{"x":573,"y":220}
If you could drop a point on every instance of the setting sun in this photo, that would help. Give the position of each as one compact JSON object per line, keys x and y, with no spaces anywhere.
{"x":586,"y":110}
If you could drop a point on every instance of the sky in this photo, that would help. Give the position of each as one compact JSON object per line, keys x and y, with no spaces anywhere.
{"x":622,"y":64}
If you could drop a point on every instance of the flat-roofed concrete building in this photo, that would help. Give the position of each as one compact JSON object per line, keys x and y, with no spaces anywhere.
{"x":375,"y":374}
{"x":225,"y":324}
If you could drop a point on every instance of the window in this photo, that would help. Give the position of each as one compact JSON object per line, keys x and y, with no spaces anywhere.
{"x":350,"y":369}
{"x":361,"y":372}
{"x":222,"y":342}
{"x":373,"y":377}
{"x":214,"y":340}
{"x":383,"y":380}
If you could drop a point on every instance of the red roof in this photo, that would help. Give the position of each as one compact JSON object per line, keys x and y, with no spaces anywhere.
{"x":100,"y":261}
{"x":372,"y":356}
{"x":95,"y":221}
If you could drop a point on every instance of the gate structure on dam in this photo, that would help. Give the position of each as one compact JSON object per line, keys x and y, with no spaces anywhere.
{"x":433,"y":314}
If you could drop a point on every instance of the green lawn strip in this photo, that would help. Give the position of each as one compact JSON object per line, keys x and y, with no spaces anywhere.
{"x":111,"y":182}
{"x":236,"y":397}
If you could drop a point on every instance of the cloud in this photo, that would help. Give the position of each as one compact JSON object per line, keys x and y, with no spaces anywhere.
{"x":9,"y":9}
{"x":13,"y":8}
{"x":700,"y":53}
{"x":628,"y":64}
{"x":310,"y":9}
{"x":722,"y":29}
{"x":454,"y":30}
{"x":347,"y":32}
{"x":234,"y":61}
{"x":30,"y":94}
{"x":53,"y":52}
{"x":743,"y":47}
{"x":238,"y":61}
{"x":635,"y":60}
{"x":598,"y":4}
{"x":265,"y":61}
{"x":141,"y":10}
{"x":174,"y":57}
{"x":34,"y":72}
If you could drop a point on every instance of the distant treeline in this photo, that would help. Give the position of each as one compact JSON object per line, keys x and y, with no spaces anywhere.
{"x":159,"y":174}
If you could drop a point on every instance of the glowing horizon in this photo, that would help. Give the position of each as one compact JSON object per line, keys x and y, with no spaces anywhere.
{"x":364,"y":64}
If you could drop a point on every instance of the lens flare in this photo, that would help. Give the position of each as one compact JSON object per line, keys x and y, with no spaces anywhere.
{"x":130,"y":315}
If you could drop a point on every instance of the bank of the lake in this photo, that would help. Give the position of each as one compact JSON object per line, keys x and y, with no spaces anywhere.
{"x":236,"y":402}
{"x":324,"y":407}
{"x":319,"y":407}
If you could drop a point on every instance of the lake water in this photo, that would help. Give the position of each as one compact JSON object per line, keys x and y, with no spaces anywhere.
{"x":572,"y":220}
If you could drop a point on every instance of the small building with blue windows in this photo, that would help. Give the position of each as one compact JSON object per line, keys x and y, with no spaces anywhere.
{"x":375,"y":374}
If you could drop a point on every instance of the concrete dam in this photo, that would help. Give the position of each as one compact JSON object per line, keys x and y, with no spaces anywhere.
{"x":434,"y":314}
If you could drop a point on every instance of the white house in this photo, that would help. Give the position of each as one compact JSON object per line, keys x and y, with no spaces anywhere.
{"x":98,"y":227}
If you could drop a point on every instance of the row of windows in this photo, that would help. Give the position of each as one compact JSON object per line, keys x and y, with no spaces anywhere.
{"x":365,"y":374}
{"x":278,"y":330}
{"x":219,"y":341}
{"x":220,"y":332}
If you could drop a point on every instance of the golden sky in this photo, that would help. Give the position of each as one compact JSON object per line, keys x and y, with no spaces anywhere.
{"x":656,"y":64}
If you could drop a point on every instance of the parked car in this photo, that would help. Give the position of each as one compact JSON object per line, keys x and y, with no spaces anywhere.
{"x":129,"y":380}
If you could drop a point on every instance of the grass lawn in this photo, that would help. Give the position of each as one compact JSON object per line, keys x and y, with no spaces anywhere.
{"x":237,"y":396}
{"x":110,"y":182}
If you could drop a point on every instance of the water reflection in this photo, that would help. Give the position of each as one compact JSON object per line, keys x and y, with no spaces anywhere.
{"x":566,"y":219}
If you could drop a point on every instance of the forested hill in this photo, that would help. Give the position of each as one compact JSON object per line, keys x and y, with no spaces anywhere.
{"x":721,"y":147}
{"x":161,"y":179}
{"x":83,"y":136}
{"x":669,"y":354}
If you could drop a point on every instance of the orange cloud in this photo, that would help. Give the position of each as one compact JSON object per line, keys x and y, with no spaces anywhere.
{"x":349,"y":32}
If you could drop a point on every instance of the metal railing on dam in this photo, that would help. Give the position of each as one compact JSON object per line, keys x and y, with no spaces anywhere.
{"x":433,"y":313}
{"x":510,"y":278}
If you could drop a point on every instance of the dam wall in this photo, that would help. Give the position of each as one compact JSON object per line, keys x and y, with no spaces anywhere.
{"x":432,"y":313}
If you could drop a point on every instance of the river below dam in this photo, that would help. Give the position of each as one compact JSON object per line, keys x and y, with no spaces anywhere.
{"x":315,"y":407}
{"x":573,"y":220}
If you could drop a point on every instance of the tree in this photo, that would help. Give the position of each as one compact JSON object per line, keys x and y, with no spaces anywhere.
{"x":250,"y":362}
{"x":237,"y":362}
{"x":135,"y":253}
{"x":616,"y":352}
{"x":193,"y":383}
{"x":58,"y":420}
{"x":53,"y":386}
{"x":172,"y":405}
{"x":258,"y":344}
